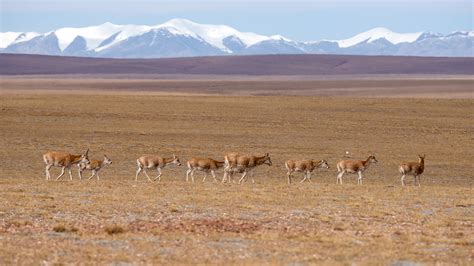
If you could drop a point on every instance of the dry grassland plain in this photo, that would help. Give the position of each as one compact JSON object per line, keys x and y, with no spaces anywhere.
{"x":118,"y":221}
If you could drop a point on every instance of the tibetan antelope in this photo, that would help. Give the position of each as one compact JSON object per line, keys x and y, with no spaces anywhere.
{"x":155,"y":162}
{"x":64,"y":160}
{"x":95,"y":166}
{"x":239,"y":163}
{"x":206,"y":165}
{"x":412,"y":168}
{"x":305,"y":167}
{"x":352,"y":167}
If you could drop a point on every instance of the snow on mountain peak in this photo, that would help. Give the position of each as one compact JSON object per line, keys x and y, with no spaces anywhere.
{"x":279,"y":38}
{"x":461,"y":33}
{"x":93,"y":35}
{"x":378,"y":33}
{"x":125,"y":32}
{"x":213,"y":34}
{"x":9,"y":37}
{"x":6,"y":38}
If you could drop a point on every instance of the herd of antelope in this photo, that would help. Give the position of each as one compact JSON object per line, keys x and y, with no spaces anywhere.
{"x":233,"y":163}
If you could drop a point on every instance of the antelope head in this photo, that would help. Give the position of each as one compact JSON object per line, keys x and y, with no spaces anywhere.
{"x":323,"y":164}
{"x":176,"y":160}
{"x":107,"y":160}
{"x":267,"y":161}
{"x":421,"y":157}
{"x":372,"y":159}
{"x":85,"y":158}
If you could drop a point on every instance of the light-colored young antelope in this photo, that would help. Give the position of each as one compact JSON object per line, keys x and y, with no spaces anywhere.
{"x":239,"y":163}
{"x":155,"y":162}
{"x":64,"y":160}
{"x":412,"y":168}
{"x":206,"y":165}
{"x":353,"y":167}
{"x":305,"y":167}
{"x":95,"y":166}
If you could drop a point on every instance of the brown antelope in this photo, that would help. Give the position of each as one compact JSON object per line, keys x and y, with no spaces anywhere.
{"x":63,"y":160}
{"x":305,"y":167}
{"x":155,"y":162}
{"x":352,"y":167}
{"x":95,"y":166}
{"x":206,"y":165}
{"x":412,"y":168}
{"x":239,"y":163}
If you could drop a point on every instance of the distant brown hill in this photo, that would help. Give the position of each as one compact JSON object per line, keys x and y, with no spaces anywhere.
{"x":18,"y":64}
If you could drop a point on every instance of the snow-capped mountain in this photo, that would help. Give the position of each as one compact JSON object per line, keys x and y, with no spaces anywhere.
{"x":379,"y":33}
{"x":181,"y":37}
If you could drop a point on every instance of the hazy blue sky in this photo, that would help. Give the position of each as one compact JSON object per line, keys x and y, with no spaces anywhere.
{"x":299,"y":20}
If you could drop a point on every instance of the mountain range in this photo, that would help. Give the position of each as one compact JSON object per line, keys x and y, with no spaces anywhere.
{"x":184,"y":38}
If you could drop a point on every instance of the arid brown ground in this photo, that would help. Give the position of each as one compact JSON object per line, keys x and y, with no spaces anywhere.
{"x":118,"y":220}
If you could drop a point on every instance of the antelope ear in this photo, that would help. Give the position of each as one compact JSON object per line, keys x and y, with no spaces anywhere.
{"x":174,"y":156}
{"x":87,"y":152}
{"x":267,"y":155}
{"x":105,"y":156}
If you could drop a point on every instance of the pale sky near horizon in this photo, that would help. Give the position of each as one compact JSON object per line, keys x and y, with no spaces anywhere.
{"x":300,"y":20}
